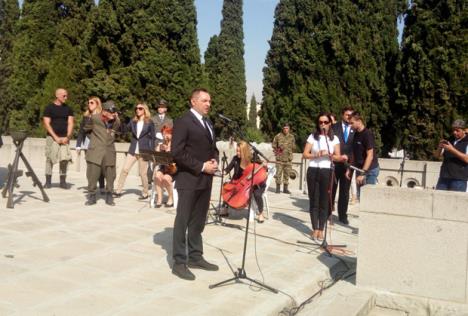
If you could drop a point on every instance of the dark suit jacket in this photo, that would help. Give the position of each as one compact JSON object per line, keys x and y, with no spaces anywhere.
{"x":158,"y":123}
{"x":101,"y":150}
{"x":191,"y":146}
{"x":345,"y":148}
{"x":146,"y":139}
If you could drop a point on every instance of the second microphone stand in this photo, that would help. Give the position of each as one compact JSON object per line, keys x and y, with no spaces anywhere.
{"x":241,"y":274}
{"x":216,"y":219}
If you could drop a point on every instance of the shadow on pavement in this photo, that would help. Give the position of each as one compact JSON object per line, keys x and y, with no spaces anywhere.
{"x":164,"y":239}
{"x":293,"y":222}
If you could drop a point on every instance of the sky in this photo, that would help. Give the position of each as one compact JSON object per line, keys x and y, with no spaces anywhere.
{"x":258,"y":27}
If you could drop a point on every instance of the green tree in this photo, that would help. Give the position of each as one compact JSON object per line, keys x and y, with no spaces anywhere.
{"x":432,"y":89}
{"x":46,"y":55}
{"x":143,"y":50}
{"x":225,"y":66}
{"x":325,"y":55}
{"x":253,"y":112}
{"x":9,"y":15}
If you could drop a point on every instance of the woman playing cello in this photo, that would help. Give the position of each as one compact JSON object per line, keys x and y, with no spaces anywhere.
{"x":241,"y":162}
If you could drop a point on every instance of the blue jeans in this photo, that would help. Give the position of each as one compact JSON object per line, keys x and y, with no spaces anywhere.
{"x":451,"y":185}
{"x":371,"y":178}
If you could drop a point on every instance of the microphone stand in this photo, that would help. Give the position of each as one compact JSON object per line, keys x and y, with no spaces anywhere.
{"x":325,"y":246}
{"x":402,"y":166}
{"x":241,"y":273}
{"x":217,"y":219}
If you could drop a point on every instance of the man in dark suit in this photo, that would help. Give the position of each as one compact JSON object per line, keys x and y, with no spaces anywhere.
{"x":161,"y":118}
{"x":194,"y":151}
{"x":345,"y":134}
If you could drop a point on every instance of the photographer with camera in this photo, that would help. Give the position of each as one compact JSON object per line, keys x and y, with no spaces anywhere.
{"x":454,"y":170}
{"x":101,"y":156}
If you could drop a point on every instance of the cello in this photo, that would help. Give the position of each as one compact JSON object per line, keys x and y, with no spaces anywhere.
{"x":237,"y":192}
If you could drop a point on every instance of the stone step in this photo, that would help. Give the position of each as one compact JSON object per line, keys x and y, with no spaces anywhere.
{"x":381,"y":311}
{"x":343,"y":298}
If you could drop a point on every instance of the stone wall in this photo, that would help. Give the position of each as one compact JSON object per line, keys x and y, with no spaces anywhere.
{"x":414,"y":243}
{"x":417,"y":174}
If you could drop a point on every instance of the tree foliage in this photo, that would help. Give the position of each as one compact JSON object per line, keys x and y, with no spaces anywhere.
{"x":432,"y":80}
{"x":143,"y":50}
{"x":46,"y":55}
{"x":225,"y":67}
{"x":9,"y":15}
{"x":253,"y":112}
{"x":325,"y":55}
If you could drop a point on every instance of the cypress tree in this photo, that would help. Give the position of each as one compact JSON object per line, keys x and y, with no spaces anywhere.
{"x":9,"y":15}
{"x":325,"y":55}
{"x":225,"y":66}
{"x":253,"y":112}
{"x":433,"y":77}
{"x":144,"y":50}
{"x":45,"y":57}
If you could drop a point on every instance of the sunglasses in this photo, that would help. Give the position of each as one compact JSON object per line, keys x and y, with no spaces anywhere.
{"x":324,"y":122}
{"x":139,"y":109}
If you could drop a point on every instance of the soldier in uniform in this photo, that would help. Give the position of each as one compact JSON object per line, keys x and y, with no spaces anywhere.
{"x":101,"y":155}
{"x":283,"y":147}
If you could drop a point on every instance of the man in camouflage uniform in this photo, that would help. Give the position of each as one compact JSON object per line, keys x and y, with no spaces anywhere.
{"x":283,"y":146}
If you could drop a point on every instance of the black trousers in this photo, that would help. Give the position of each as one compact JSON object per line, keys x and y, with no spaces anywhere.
{"x":318,"y":185}
{"x":192,"y":209}
{"x":343,"y":197}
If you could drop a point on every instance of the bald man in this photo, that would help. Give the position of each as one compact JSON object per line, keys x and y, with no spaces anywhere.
{"x":58,"y":121}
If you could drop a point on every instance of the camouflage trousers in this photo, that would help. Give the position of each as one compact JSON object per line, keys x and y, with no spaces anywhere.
{"x":283,"y":171}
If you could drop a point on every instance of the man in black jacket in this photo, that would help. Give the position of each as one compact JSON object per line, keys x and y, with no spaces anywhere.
{"x":345,"y":134}
{"x":194,"y":151}
{"x":454,"y":169}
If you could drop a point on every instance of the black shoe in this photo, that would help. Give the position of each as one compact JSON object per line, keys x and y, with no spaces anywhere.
{"x":48,"y":182}
{"x":158,"y":205}
{"x":278,"y":188}
{"x":143,"y":197}
{"x":63,"y":183}
{"x":202,"y":264}
{"x":116,"y":195}
{"x":109,"y":199}
{"x":285,"y":189}
{"x":181,"y":270}
{"x":168,"y":205}
{"x":344,"y":221}
{"x":91,"y":199}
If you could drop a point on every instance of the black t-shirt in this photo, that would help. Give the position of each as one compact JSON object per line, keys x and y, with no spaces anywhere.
{"x":362,"y":142}
{"x":58,"y":115}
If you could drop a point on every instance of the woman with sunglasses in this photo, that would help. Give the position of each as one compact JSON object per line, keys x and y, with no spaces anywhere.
{"x":321,"y":148}
{"x":82,"y":139}
{"x":143,"y":135}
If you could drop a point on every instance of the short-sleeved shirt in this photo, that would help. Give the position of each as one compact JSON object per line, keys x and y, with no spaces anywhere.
{"x":58,"y":115}
{"x":321,"y":144}
{"x":362,"y":142}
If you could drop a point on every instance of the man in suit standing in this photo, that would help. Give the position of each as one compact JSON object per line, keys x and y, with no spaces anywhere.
{"x":161,"y":118}
{"x":194,"y":151}
{"x":101,"y":155}
{"x":345,"y":134}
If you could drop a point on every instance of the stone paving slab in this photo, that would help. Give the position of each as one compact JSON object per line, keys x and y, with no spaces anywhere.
{"x":64,"y":258}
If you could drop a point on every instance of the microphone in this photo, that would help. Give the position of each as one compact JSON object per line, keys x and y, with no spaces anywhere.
{"x":227,"y":119}
{"x":322,"y":131}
